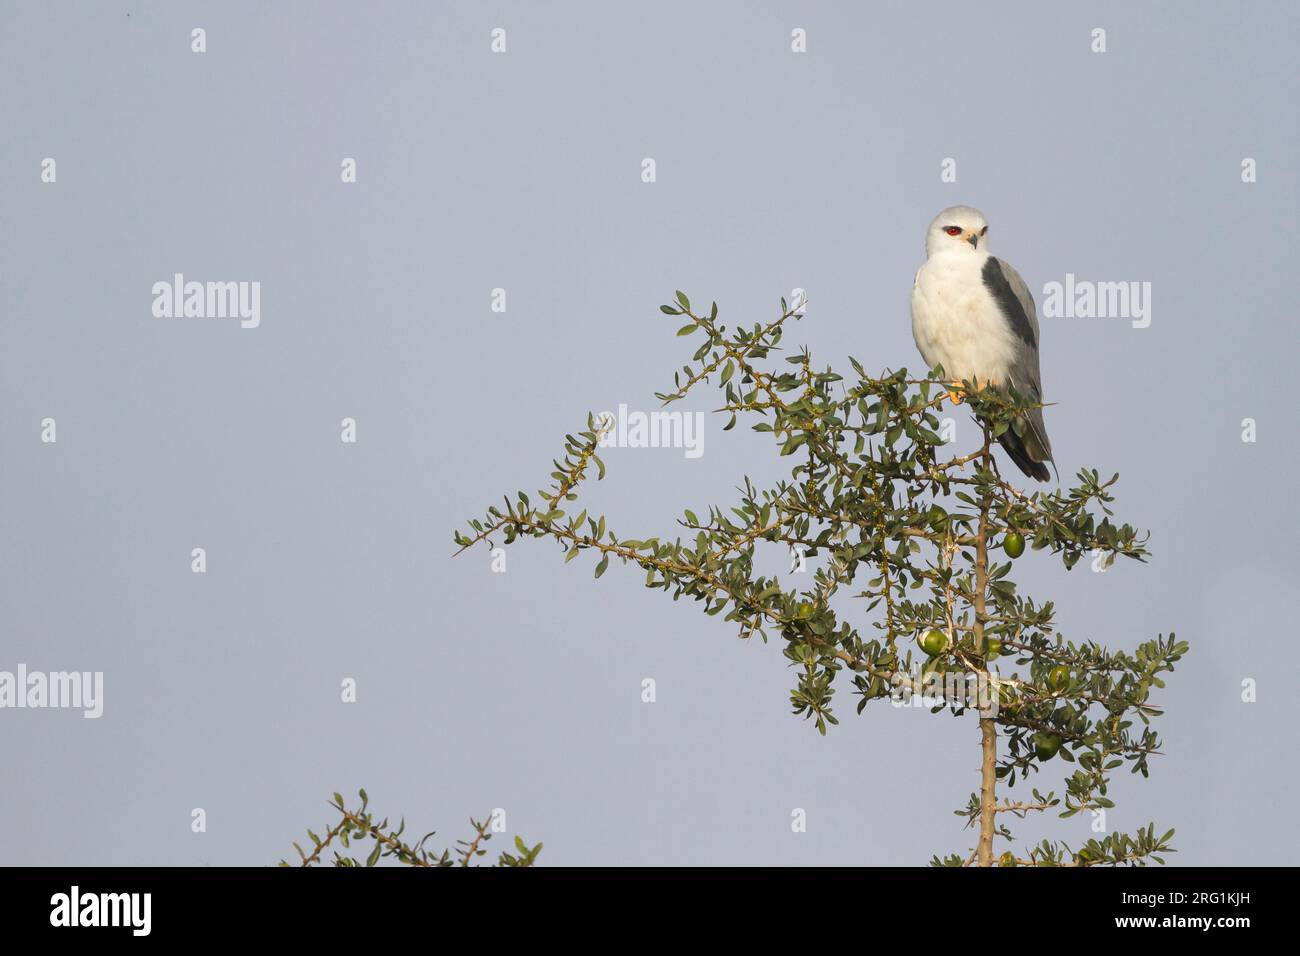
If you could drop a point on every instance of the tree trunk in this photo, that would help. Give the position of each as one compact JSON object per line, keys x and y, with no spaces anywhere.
{"x":988,"y":729}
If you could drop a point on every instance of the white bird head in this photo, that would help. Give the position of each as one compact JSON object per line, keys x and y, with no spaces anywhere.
{"x":957,"y":229}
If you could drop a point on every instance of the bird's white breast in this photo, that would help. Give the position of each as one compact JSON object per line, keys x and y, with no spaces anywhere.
{"x":956,"y":323}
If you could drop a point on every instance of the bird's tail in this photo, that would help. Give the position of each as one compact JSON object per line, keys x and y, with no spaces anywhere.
{"x":1026,"y":443}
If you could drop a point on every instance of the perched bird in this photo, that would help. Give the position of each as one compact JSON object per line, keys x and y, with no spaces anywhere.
{"x":973,"y":314}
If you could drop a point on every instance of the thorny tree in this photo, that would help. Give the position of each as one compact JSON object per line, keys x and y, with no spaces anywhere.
{"x":915,"y":534}
{"x":359,"y":826}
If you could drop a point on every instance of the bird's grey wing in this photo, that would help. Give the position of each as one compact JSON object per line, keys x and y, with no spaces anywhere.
{"x":1017,"y":306}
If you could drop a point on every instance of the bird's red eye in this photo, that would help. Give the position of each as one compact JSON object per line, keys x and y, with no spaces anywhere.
{"x":952,"y":230}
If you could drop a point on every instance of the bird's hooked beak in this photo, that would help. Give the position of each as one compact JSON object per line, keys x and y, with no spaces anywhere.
{"x":974,"y":240}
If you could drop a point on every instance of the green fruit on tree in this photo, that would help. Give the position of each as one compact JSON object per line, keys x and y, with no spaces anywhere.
{"x":1007,"y":859}
{"x":992,"y":647}
{"x":1013,"y":544}
{"x":933,"y":642}
{"x":1046,"y":746}
{"x":938,"y":518}
{"x":1058,"y":678}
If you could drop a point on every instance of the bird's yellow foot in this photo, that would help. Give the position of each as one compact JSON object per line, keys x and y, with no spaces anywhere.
{"x":956,"y":392}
